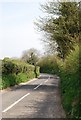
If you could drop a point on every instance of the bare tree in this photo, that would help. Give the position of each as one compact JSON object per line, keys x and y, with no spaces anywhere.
{"x":30,"y":56}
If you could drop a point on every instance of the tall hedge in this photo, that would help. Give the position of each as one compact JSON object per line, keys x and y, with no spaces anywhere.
{"x":48,"y":64}
{"x":16,"y":71}
{"x":70,"y":84}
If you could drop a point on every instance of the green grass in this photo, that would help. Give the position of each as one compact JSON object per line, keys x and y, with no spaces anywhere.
{"x":13,"y":79}
{"x":70,"y":94}
{"x":8,"y":80}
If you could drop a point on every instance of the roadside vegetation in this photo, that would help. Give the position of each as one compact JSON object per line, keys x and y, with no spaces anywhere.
{"x":68,"y":71}
{"x":16,"y":71}
{"x":61,"y":31}
{"x":48,"y":64}
{"x":70,"y":87}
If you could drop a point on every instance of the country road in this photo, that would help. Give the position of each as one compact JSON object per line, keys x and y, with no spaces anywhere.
{"x":39,"y":98}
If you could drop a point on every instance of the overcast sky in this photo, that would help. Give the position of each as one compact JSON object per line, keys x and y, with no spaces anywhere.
{"x":17,"y":29}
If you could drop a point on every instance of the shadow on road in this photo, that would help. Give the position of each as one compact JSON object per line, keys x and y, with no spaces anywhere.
{"x":45,"y":101}
{"x":42,"y":88}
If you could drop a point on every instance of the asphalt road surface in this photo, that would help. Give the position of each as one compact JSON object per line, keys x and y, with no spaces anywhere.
{"x":38,"y":98}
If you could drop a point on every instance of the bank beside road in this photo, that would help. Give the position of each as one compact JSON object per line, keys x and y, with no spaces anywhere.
{"x":39,"y":98}
{"x":15,"y":72}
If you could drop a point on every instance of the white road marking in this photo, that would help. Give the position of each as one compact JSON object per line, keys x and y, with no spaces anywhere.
{"x":37,"y":86}
{"x":15,"y":102}
{"x":46,"y":81}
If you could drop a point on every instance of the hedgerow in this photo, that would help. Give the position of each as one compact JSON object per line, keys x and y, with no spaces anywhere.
{"x":15,"y":72}
{"x":48,"y":64}
{"x":69,"y":73}
{"x":70,"y":87}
